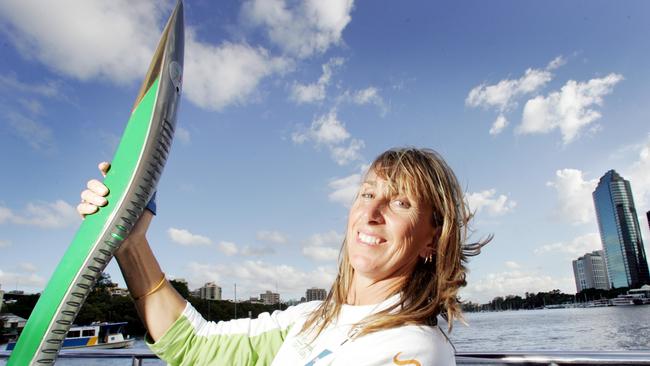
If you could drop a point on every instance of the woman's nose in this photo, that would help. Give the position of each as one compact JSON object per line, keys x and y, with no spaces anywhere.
{"x":373,"y":212}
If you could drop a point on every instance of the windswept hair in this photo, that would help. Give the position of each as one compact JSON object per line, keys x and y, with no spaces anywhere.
{"x":432,"y":288}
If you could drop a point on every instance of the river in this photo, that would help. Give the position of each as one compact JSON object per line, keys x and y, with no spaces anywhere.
{"x":592,"y":329}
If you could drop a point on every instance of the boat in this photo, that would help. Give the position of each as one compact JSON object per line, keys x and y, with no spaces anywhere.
{"x":96,"y":335}
{"x":627,"y":300}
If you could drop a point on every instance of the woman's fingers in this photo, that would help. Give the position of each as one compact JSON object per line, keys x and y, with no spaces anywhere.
{"x":85,"y":208}
{"x":104,"y":167}
{"x":97,"y":187}
{"x":88,"y":196}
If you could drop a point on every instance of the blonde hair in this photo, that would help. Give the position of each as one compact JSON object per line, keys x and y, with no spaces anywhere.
{"x":432,"y":289}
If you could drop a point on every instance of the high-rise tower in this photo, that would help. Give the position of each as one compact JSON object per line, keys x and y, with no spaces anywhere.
{"x":620,"y":232}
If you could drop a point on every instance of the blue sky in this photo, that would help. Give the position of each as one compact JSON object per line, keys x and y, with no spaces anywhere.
{"x":284,"y":104}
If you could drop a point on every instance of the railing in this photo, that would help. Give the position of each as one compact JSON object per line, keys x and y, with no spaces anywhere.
{"x":462,"y":358}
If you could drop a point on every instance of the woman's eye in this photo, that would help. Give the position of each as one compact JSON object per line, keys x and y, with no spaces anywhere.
{"x":401,"y":204}
{"x":366,"y":195}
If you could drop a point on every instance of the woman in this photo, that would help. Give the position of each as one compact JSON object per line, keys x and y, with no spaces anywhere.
{"x":400,"y":266}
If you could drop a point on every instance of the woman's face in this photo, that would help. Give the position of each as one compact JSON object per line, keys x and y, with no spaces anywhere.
{"x":386,"y":235}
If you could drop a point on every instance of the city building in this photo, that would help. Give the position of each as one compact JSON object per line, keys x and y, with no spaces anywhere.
{"x":590,"y":271}
{"x":118,"y":291}
{"x":620,"y":233}
{"x":2,"y":297}
{"x":270,"y":298}
{"x":210,"y":291}
{"x":314,"y":293}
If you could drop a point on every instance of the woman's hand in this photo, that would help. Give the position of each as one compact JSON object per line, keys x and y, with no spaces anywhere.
{"x":94,"y":197}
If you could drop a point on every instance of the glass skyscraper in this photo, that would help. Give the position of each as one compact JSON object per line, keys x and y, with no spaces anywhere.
{"x":620,"y":232}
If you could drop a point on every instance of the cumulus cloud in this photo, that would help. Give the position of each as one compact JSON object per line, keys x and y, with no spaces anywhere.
{"x":499,"y":124}
{"x":29,"y":279}
{"x":574,"y":201}
{"x":514,"y":282}
{"x":370,"y":95}
{"x":46,"y":89}
{"x":255,"y":277}
{"x":502,"y":94}
{"x":4,"y":243}
{"x":638,"y":173}
{"x":512,"y":265}
{"x":344,"y":190}
{"x":184,"y":237}
{"x":182,"y":135}
{"x":228,"y":248}
{"x":578,"y":246}
{"x":302,"y":28}
{"x":315,"y":92}
{"x":570,"y":110}
{"x":48,"y":215}
{"x":215,"y":75}
{"x":37,"y":135}
{"x":328,"y":131}
{"x":271,"y":236}
{"x":323,"y":246}
{"x":488,"y":201}
{"x":251,"y":251}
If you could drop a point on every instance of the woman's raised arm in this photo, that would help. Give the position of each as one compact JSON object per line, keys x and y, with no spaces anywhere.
{"x":157,"y":302}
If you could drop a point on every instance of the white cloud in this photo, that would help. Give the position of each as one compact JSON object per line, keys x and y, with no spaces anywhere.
{"x":502,"y":94}
{"x":499,"y":124}
{"x":250,"y":251}
{"x":29,"y":279}
{"x":228,"y":248}
{"x":217,"y":76}
{"x":512,"y":265}
{"x":4,"y":243}
{"x":183,"y":135}
{"x":48,"y":215}
{"x":344,"y":190}
{"x":105,"y":31}
{"x":34,"y":133}
{"x":575,"y":203}
{"x":28,"y":267}
{"x":47,"y":89}
{"x":184,"y":237}
{"x":255,"y":277}
{"x":513,"y":282}
{"x":302,"y":28}
{"x":315,"y":92}
{"x":570,"y":110}
{"x":328,"y":131}
{"x":556,"y":63}
{"x":487,"y":200}
{"x":583,"y":244}
{"x":638,"y":173}
{"x":323,"y":246}
{"x":346,"y":154}
{"x":272,"y":236}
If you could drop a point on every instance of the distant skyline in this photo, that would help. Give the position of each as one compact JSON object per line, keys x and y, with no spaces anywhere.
{"x":285,"y":103}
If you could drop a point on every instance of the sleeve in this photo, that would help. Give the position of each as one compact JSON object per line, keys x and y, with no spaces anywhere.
{"x":191,"y":340}
{"x":407,"y":346}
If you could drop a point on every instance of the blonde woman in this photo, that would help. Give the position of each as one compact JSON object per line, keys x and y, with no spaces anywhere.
{"x":400,"y":267}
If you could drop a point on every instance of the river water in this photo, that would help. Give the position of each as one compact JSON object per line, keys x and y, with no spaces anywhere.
{"x":616,"y":328}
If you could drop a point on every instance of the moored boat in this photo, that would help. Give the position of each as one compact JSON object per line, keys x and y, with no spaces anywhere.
{"x":96,"y":335}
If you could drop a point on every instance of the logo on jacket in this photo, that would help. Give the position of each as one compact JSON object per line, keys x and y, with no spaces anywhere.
{"x":412,"y":362}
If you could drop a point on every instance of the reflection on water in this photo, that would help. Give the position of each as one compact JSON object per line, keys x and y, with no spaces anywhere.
{"x":592,"y":329}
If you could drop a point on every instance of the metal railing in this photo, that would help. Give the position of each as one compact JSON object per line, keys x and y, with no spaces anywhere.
{"x":462,"y":358}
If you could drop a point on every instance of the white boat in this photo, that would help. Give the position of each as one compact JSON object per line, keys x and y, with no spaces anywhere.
{"x":96,"y":335}
{"x":628,"y":300}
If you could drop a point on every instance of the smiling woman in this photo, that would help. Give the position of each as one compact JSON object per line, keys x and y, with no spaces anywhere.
{"x":400,"y":267}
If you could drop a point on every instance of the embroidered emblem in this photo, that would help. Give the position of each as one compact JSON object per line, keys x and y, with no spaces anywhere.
{"x":412,"y":362}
